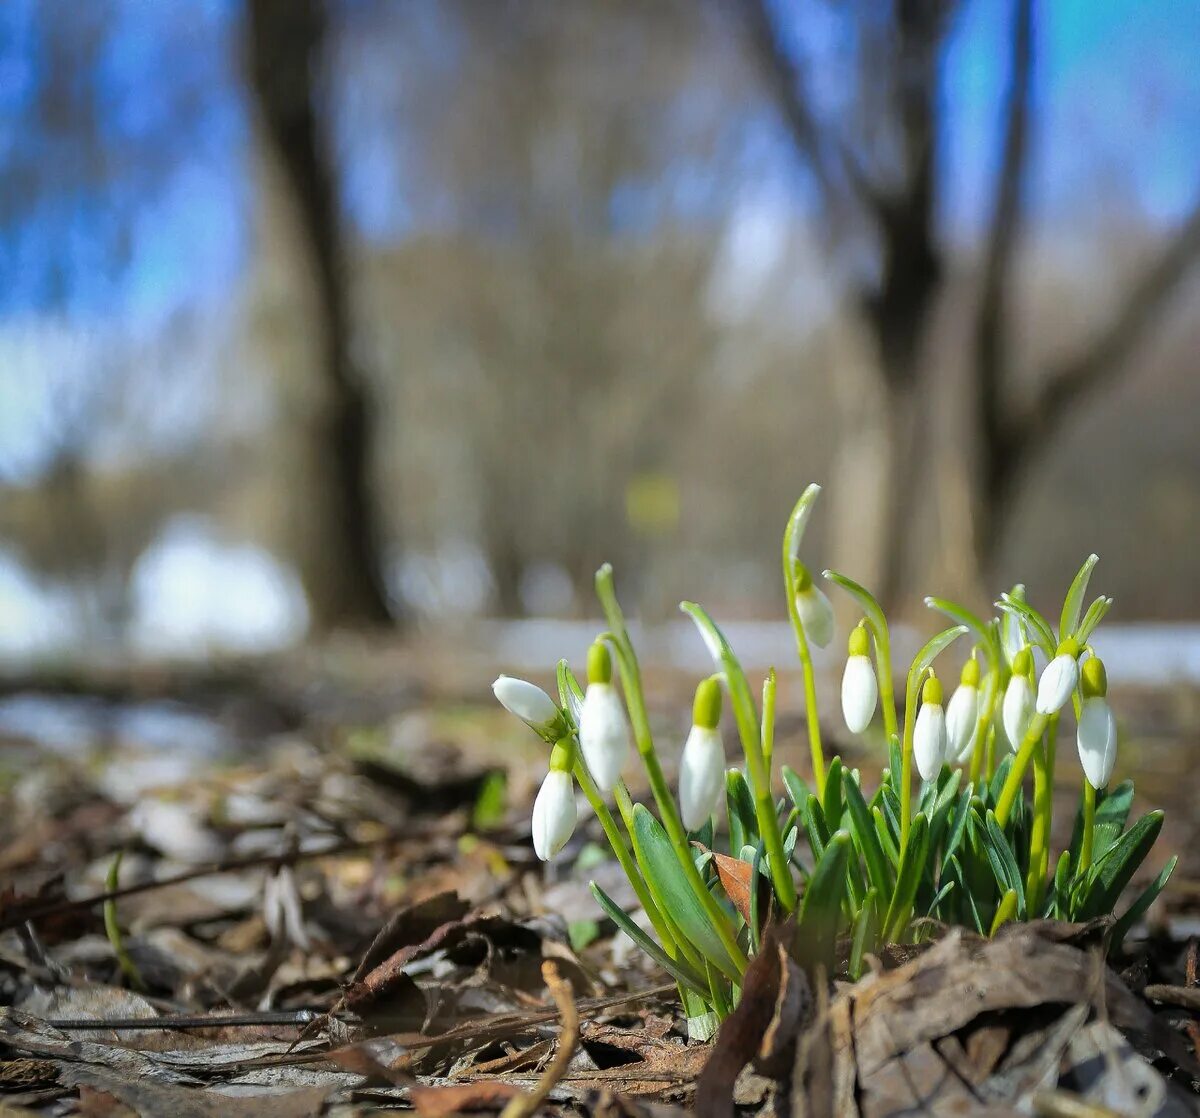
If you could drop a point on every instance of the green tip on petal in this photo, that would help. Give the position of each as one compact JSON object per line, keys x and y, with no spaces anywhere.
{"x":860,"y":642}
{"x":1093,"y":678}
{"x":706,"y":710}
{"x":932,"y":691}
{"x":803,"y":578}
{"x":1069,"y":646}
{"x":970,"y":673}
{"x":599,"y":663}
{"x":1023,"y":662}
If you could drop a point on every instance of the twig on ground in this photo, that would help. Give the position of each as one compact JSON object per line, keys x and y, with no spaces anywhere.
{"x":522,"y":1106}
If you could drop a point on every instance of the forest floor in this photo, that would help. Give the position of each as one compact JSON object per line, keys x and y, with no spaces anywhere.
{"x":305,"y":886}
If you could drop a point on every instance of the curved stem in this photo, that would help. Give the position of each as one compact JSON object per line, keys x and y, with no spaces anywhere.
{"x":810,"y":692}
{"x":1012,"y":785}
{"x":986,"y":712}
{"x":883,"y":669}
{"x":1089,"y":827}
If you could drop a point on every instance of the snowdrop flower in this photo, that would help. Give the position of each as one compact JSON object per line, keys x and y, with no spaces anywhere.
{"x":528,"y":702}
{"x":603,"y":731}
{"x":929,"y":738}
{"x":702,"y":766}
{"x":1017,"y":711}
{"x":860,"y":690}
{"x":962,"y":713}
{"x":1012,"y":631}
{"x":1097,"y":736}
{"x":1060,"y":678}
{"x":816,"y":614}
{"x":554,"y":813}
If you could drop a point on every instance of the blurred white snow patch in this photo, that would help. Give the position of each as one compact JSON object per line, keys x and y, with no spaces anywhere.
{"x":194,"y":593}
{"x":32,"y":620}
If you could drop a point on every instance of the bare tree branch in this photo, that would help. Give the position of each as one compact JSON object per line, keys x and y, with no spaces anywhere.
{"x":991,"y":351}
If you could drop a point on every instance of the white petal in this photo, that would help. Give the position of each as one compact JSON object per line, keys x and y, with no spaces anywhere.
{"x":553,"y":814}
{"x":603,"y":734}
{"x":1017,"y":711}
{"x":816,"y":614}
{"x":524,"y":699}
{"x":1057,"y":683}
{"x":1097,"y":739}
{"x":860,"y":692}
{"x":929,"y":740}
{"x":961,"y":716}
{"x":701,"y":776}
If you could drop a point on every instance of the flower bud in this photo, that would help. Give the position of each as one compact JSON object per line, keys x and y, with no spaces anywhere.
{"x":860,"y":689}
{"x":962,"y":714}
{"x":1017,"y":711}
{"x":554,"y":814}
{"x":1059,"y":679}
{"x":527,"y":701}
{"x":816,"y":614}
{"x":701,"y":775}
{"x":1097,"y":734}
{"x":929,"y":737}
{"x":603,"y":734}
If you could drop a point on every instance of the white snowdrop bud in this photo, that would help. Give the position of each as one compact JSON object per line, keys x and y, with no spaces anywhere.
{"x":1097,"y":735}
{"x":1060,"y":678}
{"x":816,"y":614}
{"x":527,"y":701}
{"x":1017,"y":710}
{"x":962,"y":713}
{"x":554,"y":814}
{"x":929,"y":737}
{"x":860,"y":689}
{"x":702,"y":765}
{"x":603,"y":731}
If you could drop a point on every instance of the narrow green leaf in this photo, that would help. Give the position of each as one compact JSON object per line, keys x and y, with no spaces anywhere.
{"x":793,"y":534}
{"x":870,"y":607}
{"x":946,"y":889}
{"x":1138,"y":909}
{"x":1093,"y":617}
{"x":865,"y":932}
{"x":821,"y":908}
{"x":887,"y":838}
{"x":797,"y":790}
{"x":831,"y":802}
{"x":998,"y":779}
{"x":1115,"y":870}
{"x":1005,"y":911}
{"x":866,"y":840}
{"x":739,"y":804}
{"x":1038,"y":626}
{"x":1003,"y":861}
{"x":984,"y":631}
{"x":570,"y":694}
{"x":676,"y":968}
{"x":958,"y":824}
{"x":814,"y":824}
{"x":1112,"y":813}
{"x":756,"y":916}
{"x":1062,"y":886}
{"x":933,"y":649}
{"x":895,"y":761}
{"x":661,"y":866}
{"x":908,"y":877}
{"x":1073,"y":602}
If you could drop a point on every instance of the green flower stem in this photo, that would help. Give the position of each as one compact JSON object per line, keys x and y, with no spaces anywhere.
{"x":1012,"y":785}
{"x":883,"y":669}
{"x":635,"y":702}
{"x":624,"y":857}
{"x":810,"y":692}
{"x":1089,"y":827}
{"x":768,"y":719}
{"x":987,"y":711}
{"x":1043,"y":808}
{"x":906,"y":765}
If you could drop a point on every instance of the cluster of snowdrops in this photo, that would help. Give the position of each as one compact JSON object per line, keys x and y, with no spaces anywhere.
{"x":969,"y":847}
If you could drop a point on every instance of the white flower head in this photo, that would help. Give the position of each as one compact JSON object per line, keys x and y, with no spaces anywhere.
{"x":701,"y":776}
{"x":603,"y":734}
{"x":1016,"y":712}
{"x":962,"y":713}
{"x":816,"y":614}
{"x":554,"y":814}
{"x":929,"y":736}
{"x":527,"y":701}
{"x":1097,"y":734}
{"x":1059,"y":680}
{"x":860,"y":689}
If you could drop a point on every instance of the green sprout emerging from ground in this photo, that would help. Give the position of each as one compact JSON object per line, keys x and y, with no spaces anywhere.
{"x":845,"y":872}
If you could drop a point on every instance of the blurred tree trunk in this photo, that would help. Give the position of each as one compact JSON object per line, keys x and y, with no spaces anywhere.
{"x":341,"y":569}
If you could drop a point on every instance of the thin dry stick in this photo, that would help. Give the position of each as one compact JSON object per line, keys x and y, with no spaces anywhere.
{"x":523,"y":1106}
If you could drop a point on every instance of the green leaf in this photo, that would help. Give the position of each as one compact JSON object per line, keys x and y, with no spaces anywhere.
{"x":1093,"y":617}
{"x":831,"y":802}
{"x":582,"y":932}
{"x":814,"y":824}
{"x":1114,"y":871}
{"x":796,"y":788}
{"x":739,"y":803}
{"x":1003,"y":861}
{"x":1138,"y":909}
{"x":908,"y":877}
{"x":864,"y":934}
{"x":1112,"y":813}
{"x":931,"y":651}
{"x":998,"y":779}
{"x":1062,"y":886}
{"x":1005,"y":911}
{"x":984,"y":631}
{"x":866,"y":841}
{"x":491,"y":803}
{"x":958,"y":824}
{"x":946,"y":889}
{"x":821,"y":909}
{"x":958,"y":876}
{"x":1039,"y":627}
{"x":570,"y":694}
{"x":870,"y":607}
{"x":895,"y":761}
{"x":756,"y":917}
{"x":888,"y":838}
{"x":676,"y":968}
{"x":661,"y":866}
{"x":1073,"y":602}
{"x":793,"y":534}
